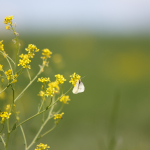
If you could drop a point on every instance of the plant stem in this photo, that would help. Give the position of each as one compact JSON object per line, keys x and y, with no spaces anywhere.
{"x":25,"y":141}
{"x":41,"y":106}
{"x":9,"y":63}
{"x":113,"y":121}
{"x":17,"y":47}
{"x":28,"y":74}
{"x":48,"y":131}
{"x":37,"y":135}
{"x":8,"y":133}
{"x":30,"y":83}
{"x":2,"y":140}
{"x":3,"y":90}
{"x":8,"y":57}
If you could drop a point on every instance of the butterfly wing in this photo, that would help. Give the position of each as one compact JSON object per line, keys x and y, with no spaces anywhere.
{"x":79,"y":87}
{"x":75,"y":89}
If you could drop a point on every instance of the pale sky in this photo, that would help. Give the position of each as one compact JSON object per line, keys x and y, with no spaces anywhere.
{"x":81,"y":15}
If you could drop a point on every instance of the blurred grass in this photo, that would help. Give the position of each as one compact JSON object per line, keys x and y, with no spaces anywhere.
{"x":109,"y":64}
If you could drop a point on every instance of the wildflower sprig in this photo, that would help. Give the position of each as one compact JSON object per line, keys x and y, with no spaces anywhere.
{"x":74,"y":78}
{"x":42,"y":146}
{"x":51,"y":91}
{"x":8,"y":20}
{"x":4,"y":115}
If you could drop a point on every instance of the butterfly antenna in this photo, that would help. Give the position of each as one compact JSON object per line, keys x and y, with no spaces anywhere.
{"x":83,"y":77}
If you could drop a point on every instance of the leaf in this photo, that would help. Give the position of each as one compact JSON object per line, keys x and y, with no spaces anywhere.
{"x":14,"y":126}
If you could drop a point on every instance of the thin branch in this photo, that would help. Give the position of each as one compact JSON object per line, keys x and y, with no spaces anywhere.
{"x":25,"y":141}
{"x":2,"y":140}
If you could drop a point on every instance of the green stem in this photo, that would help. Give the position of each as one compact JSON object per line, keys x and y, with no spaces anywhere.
{"x":2,"y":140}
{"x":37,"y":135}
{"x":13,"y":92}
{"x":17,"y":47}
{"x":60,"y":109}
{"x":7,"y":57}
{"x":41,"y":106}
{"x":43,"y":114}
{"x":113,"y":121}
{"x":9,"y":64}
{"x":4,"y":89}
{"x":2,"y":128}
{"x":3,"y":77}
{"x":8,"y":133}
{"x":47,"y":132}
{"x":29,"y":83}
{"x":25,"y":141}
{"x":28,"y":74}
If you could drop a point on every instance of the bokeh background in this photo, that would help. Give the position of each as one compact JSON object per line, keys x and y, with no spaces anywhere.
{"x":106,"y":41}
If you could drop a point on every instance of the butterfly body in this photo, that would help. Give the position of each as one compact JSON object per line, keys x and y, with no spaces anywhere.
{"x":78,"y":88}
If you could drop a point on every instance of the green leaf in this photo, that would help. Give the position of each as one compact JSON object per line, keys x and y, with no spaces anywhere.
{"x":14,"y":126}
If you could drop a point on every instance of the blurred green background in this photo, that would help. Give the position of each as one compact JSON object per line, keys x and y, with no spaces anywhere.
{"x":114,"y":109}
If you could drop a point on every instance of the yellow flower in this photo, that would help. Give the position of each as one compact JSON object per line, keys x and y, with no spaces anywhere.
{"x":8,"y":20}
{"x":60,"y":79}
{"x":8,"y":27}
{"x":52,"y":89}
{"x":31,"y":49}
{"x":58,"y":116}
{"x":14,"y":81}
{"x":1,"y":46}
{"x":42,"y":146}
{"x":4,"y":115}
{"x":46,"y":53}
{"x":8,"y":107}
{"x":65,"y":99}
{"x":1,"y":67}
{"x":42,"y":94}
{"x":43,"y":80}
{"x":24,"y":61}
{"x":9,"y":75}
{"x":74,"y":78}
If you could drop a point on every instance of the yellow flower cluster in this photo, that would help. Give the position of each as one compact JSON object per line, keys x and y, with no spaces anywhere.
{"x":74,"y":78}
{"x":60,"y":79}
{"x":42,"y":146}
{"x":1,"y":67}
{"x":25,"y":58}
{"x":9,"y":75}
{"x":46,"y":53}
{"x":31,"y":49}
{"x":8,"y":20}
{"x":52,"y":88}
{"x":4,"y":115}
{"x":65,"y":99}
{"x":1,"y":46}
{"x":43,"y":80}
{"x":58,"y":116}
{"x":24,"y":61}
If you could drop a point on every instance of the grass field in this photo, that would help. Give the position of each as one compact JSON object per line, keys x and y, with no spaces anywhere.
{"x":112,"y":114}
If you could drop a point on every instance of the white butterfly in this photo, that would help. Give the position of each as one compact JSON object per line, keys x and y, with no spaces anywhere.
{"x":78,"y":88}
